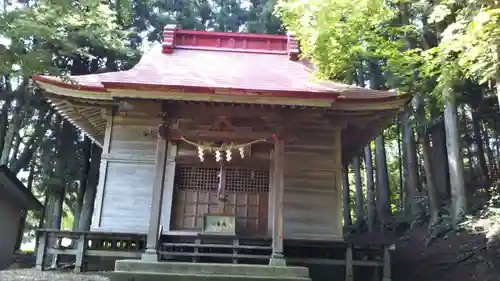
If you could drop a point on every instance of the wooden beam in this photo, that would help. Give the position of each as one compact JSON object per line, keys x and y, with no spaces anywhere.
{"x":221,"y":135}
{"x":192,"y":111}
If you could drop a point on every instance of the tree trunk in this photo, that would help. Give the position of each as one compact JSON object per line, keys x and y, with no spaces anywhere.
{"x":49,"y":210}
{"x":360,"y":205}
{"x":472,"y":172}
{"x":497,"y":86}
{"x":59,"y":197}
{"x":382,"y":182}
{"x":489,"y":151}
{"x":383,"y":195}
{"x":33,"y":143}
{"x":411,"y":164}
{"x":15,"y":148}
{"x":22,"y":223}
{"x":41,"y":219}
{"x":429,"y":176}
{"x":481,"y":155}
{"x":82,"y":186}
{"x":346,"y":196}
{"x":439,"y":157}
{"x":400,"y":166}
{"x":370,"y":188}
{"x":64,"y":136}
{"x":91,"y":189}
{"x":497,"y":149}
{"x":454,"y":156}
{"x":13,"y":128}
{"x":4,"y":123}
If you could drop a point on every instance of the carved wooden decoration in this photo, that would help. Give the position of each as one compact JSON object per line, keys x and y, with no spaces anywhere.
{"x":166,"y":126}
{"x":222,"y":124}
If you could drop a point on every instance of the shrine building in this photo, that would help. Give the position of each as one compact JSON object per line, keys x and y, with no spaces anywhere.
{"x":215,"y":135}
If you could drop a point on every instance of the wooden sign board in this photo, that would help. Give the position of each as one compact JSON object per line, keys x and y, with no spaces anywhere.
{"x":219,"y":224}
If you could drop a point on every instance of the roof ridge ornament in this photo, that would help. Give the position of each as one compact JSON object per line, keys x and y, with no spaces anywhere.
{"x":168,"y":43}
{"x":292,"y":46}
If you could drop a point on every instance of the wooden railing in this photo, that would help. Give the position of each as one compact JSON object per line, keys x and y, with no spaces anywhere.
{"x":210,"y":248}
{"x":340,"y":253}
{"x":85,"y":244}
{"x":216,"y":248}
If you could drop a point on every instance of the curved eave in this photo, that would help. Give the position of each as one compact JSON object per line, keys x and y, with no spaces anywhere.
{"x":65,"y":85}
{"x":90,"y":120}
{"x":87,"y":119}
{"x":110,"y":90}
{"x":357,"y":134}
{"x":223,"y":91}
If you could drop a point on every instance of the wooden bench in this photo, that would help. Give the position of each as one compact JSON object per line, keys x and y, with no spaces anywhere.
{"x":84,"y":244}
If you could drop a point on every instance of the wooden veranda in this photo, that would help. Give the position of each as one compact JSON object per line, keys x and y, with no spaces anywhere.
{"x":209,"y":249}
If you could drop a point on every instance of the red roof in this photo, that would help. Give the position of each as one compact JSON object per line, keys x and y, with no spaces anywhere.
{"x":208,"y":62}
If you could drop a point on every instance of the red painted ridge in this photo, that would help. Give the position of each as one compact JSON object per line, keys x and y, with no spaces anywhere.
{"x":175,"y":38}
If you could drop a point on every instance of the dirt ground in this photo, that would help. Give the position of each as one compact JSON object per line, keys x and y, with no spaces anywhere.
{"x":37,"y":275}
{"x":457,"y":257}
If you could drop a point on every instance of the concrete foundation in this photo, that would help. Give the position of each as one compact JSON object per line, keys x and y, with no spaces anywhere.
{"x":139,"y":270}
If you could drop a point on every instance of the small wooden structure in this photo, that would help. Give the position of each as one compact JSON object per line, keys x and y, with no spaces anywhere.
{"x":15,"y":199}
{"x":231,"y":124}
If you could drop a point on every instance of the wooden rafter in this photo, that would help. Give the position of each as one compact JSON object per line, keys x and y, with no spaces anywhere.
{"x":83,"y":116}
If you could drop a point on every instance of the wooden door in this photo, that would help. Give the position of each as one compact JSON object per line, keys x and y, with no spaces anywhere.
{"x":195,"y":194}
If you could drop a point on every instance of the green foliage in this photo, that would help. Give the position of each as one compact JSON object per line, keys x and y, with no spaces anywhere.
{"x":261,"y":18}
{"x":81,"y":37}
{"x":57,"y":28}
{"x":339,"y":36}
{"x":476,"y":42}
{"x":254,"y":16}
{"x":469,"y":44}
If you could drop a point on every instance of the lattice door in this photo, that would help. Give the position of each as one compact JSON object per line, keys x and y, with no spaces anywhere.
{"x":247,"y":193}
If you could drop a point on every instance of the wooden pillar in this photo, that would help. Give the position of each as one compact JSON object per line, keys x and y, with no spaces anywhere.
{"x":41,"y":250}
{"x":168,"y":188}
{"x":157,"y":199}
{"x":346,"y":197}
{"x":103,"y":170}
{"x":349,"y":271}
{"x":277,"y":257}
{"x":387,"y":265}
{"x":271,"y":194}
{"x":80,"y":252}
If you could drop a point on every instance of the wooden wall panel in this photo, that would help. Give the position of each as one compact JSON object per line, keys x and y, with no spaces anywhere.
{"x":129,"y":141}
{"x":312,"y":191}
{"x":127,"y":181}
{"x":127,"y":197}
{"x":312,"y":201}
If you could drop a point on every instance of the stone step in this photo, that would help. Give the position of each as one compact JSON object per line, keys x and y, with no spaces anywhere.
{"x":154,"y":276}
{"x":211,"y":269}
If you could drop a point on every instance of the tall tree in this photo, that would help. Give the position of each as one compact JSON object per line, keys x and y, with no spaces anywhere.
{"x":370,"y":188}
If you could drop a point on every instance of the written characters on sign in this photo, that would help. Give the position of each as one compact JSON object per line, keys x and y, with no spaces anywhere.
{"x":220,"y":224}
